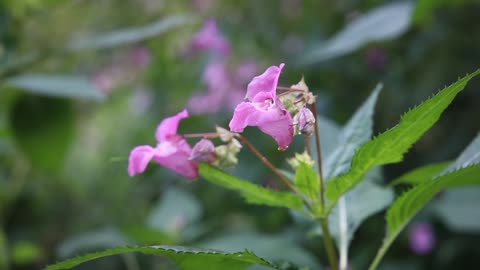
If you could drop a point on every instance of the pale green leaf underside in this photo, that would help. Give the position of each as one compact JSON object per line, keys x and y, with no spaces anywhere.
{"x":356,"y":132}
{"x":251,"y":192}
{"x":184,"y":257}
{"x":412,"y":201}
{"x":420,"y":174}
{"x":67,"y":86}
{"x":390,"y":146}
{"x":130,"y":35}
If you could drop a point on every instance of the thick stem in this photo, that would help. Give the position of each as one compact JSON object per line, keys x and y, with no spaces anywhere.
{"x":265,"y":161}
{"x":329,"y":245}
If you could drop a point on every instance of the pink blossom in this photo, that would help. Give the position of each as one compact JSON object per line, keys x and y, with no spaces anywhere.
{"x":422,"y":238}
{"x":140,"y":56}
{"x":264,"y":109}
{"x":209,"y":38}
{"x":172,"y":150}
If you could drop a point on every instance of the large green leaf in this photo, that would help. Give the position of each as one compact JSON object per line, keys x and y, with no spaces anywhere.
{"x":271,"y":247}
{"x":251,"y":192}
{"x":184,"y":257}
{"x":411,"y":202}
{"x":56,"y":86}
{"x":383,"y":23}
{"x":420,"y":174}
{"x":130,"y":35}
{"x":390,"y":146}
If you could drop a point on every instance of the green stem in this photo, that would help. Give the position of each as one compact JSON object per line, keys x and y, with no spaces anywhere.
{"x":383,"y":249}
{"x":329,"y":246}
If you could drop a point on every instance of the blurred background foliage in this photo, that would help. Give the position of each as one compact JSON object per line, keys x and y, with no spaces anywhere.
{"x":82,"y":82}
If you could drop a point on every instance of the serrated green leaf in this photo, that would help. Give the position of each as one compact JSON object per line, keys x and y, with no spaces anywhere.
{"x":271,"y":247}
{"x":307,"y":181}
{"x":411,"y":202}
{"x":130,"y":35}
{"x":383,"y":23}
{"x":56,"y":86}
{"x":418,"y":175}
{"x":251,"y":192}
{"x":390,"y":146}
{"x":185,"y":258}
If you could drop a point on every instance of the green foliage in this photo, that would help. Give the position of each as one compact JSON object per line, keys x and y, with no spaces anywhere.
{"x":24,"y":253}
{"x":425,"y":9}
{"x":411,"y":202}
{"x":251,"y":192}
{"x":383,"y":23}
{"x":421,"y":174}
{"x":43,"y":128}
{"x":131,"y":35}
{"x":184,"y":257}
{"x":390,"y":146}
{"x":272,"y":247}
{"x":307,"y":181}
{"x":56,"y":86}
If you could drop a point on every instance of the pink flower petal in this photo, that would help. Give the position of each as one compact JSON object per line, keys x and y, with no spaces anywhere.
{"x":169,"y":126}
{"x":175,"y":156}
{"x":139,"y":159}
{"x":265,"y":85}
{"x":272,"y":119}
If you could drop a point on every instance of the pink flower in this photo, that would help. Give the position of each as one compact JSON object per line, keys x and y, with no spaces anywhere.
{"x":209,"y":38}
{"x":264,"y":109}
{"x":422,"y":238}
{"x":172,"y":150}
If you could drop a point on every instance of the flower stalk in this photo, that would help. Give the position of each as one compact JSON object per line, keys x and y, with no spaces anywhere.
{"x":265,"y":161}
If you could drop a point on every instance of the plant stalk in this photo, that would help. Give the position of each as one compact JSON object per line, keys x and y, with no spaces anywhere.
{"x":265,"y":161}
{"x":329,"y":245}
{"x":327,"y":238}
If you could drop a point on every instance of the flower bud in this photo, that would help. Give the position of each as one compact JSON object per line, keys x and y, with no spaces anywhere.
{"x":227,"y":154}
{"x":304,"y":121}
{"x":203,"y":151}
{"x":304,"y":157}
{"x":224,"y":134}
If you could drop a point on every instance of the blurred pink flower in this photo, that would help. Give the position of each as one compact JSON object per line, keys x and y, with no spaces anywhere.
{"x":172,"y":150}
{"x":140,"y":56}
{"x":209,"y":38}
{"x":376,"y":58}
{"x":224,"y":88}
{"x":264,"y":109}
{"x":422,"y":238}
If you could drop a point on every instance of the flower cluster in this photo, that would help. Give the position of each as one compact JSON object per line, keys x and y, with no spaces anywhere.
{"x":262,"y":108}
